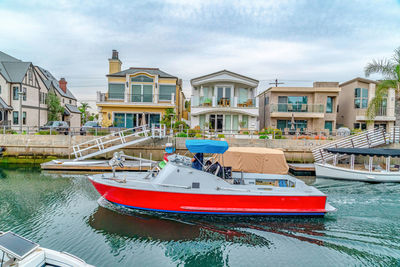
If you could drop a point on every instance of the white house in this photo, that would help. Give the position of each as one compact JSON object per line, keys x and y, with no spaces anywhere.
{"x":224,"y":101}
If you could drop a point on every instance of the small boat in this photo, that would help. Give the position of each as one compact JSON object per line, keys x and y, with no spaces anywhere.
{"x":367,"y":173}
{"x":177,"y":187}
{"x":18,"y":251}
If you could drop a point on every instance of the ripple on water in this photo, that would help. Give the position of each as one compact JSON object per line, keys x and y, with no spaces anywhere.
{"x":62,"y":212}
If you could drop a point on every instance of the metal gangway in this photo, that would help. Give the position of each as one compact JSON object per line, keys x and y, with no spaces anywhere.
{"x":117,"y":140}
{"x":367,"y":139}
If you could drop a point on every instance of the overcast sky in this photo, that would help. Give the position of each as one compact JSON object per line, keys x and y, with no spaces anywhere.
{"x":295,"y":41}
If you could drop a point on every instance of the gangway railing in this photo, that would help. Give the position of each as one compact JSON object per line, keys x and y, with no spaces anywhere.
{"x":394,"y":135}
{"x":116,"y":141}
{"x":367,"y":139}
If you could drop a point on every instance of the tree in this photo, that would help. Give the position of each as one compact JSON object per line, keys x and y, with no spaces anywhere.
{"x":390,"y":71}
{"x":83,"y":108}
{"x":168,"y":117}
{"x":55,"y":110}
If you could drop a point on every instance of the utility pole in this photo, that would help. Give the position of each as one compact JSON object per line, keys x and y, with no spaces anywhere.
{"x":276,"y":83}
{"x":20,"y":95}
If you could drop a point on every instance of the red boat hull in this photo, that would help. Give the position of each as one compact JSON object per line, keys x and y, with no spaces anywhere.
{"x":212,"y":204}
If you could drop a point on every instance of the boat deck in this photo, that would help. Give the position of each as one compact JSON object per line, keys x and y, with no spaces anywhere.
{"x":302,"y":169}
{"x":93,"y":165}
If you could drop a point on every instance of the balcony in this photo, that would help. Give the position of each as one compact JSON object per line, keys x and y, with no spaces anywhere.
{"x":224,"y":102}
{"x":300,"y":110}
{"x":381,"y":114}
{"x":152,"y":99}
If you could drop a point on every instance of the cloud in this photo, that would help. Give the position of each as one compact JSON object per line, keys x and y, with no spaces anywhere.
{"x":290,"y":40}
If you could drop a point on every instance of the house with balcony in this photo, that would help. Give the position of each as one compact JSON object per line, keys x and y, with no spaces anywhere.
{"x":354,"y":98}
{"x":300,"y":109}
{"x":224,"y":101}
{"x":138,"y":96}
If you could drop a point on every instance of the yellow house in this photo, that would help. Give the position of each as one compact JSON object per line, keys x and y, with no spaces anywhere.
{"x":138,"y":96}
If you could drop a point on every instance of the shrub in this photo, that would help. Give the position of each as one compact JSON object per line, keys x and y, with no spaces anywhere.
{"x":47,"y":132}
{"x":198,"y":135}
{"x":263,"y":137}
{"x":101,"y":132}
{"x":355,"y":131}
{"x":11,"y":132}
{"x":245,"y":132}
{"x":221,"y":136}
{"x":181,"y":134}
{"x":178,"y":124}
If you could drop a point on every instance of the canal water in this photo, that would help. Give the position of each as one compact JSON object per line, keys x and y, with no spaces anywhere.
{"x":63,"y":212}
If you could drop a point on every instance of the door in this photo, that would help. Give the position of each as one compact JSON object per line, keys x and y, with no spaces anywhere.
{"x":212,"y":121}
{"x":220,"y":120}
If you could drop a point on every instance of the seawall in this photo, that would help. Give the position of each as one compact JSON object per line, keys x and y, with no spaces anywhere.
{"x":45,"y":147}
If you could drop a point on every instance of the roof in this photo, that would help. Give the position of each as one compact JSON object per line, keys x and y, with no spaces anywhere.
{"x":360,"y":80}
{"x":207,"y":146}
{"x":152,"y":71}
{"x":3,"y":105}
{"x":53,"y":82}
{"x":8,"y":58}
{"x":72,"y":108}
{"x":224,"y":71}
{"x":379,"y":152}
{"x":15,"y":70}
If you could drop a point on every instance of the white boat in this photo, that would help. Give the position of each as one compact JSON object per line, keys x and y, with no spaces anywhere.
{"x":177,"y":187}
{"x":370,"y":173}
{"x":17,"y":251}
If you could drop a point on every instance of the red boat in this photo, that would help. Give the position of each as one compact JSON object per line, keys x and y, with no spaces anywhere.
{"x":180,"y":188}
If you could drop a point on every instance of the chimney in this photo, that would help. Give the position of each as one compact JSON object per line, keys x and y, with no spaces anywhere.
{"x":114,"y":63}
{"x":63,"y":84}
{"x":114,"y":54}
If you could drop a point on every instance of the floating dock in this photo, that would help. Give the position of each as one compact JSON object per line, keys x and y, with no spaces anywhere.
{"x":302,"y":169}
{"x":93,"y":165}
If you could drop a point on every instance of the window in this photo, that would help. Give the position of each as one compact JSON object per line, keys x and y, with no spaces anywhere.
{"x":328,"y":125}
{"x":202,"y":121}
{"x":15,"y":93}
{"x":298,"y":124}
{"x":15,"y":117}
{"x":24,"y":95}
{"x":292,"y":103}
{"x":166,"y":91}
{"x":142,"y":78}
{"x":116,"y":90}
{"x":360,"y":98}
{"x":245,"y":122}
{"x":70,"y":101}
{"x":356,"y":126}
{"x":329,"y":105}
{"x":30,"y":76}
{"x":24,"y":118}
{"x":142,"y":93}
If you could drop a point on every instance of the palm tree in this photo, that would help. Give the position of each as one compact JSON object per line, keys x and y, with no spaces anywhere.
{"x":390,"y":71}
{"x":83,"y":108}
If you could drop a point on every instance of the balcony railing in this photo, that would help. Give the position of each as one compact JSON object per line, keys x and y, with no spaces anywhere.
{"x":136,"y":98}
{"x":202,"y":101}
{"x":312,"y":108}
{"x":5,"y":123}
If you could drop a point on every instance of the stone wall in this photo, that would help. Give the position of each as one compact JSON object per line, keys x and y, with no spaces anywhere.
{"x":61,"y":146}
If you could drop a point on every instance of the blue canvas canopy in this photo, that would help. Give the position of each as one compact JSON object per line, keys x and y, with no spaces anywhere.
{"x":207,"y":146}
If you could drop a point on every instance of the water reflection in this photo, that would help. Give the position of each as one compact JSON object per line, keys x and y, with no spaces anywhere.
{"x":151,"y":227}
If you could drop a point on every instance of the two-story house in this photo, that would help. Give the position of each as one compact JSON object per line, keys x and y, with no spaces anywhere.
{"x":138,"y":96}
{"x":224,"y":101}
{"x":23,"y":92}
{"x":71,"y":114}
{"x":353,"y":103}
{"x":312,"y":109}
{"x":19,"y":93}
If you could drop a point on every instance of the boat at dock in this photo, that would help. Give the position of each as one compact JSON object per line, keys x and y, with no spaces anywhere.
{"x":368,"y":172}
{"x":214,"y":189}
{"x":17,"y":251}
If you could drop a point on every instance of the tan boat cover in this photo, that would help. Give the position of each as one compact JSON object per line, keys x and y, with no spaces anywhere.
{"x":255,"y":160}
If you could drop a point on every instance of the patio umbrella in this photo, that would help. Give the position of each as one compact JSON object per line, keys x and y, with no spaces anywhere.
{"x":143,"y":119}
{"x":292,"y":122}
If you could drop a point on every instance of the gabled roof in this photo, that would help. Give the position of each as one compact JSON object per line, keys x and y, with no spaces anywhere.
{"x":72,"y":108}
{"x":153,"y":71}
{"x":51,"y":81}
{"x":360,"y":80}
{"x":3,"y":105}
{"x":12,"y":69}
{"x":225,"y":74}
{"x":15,"y":70}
